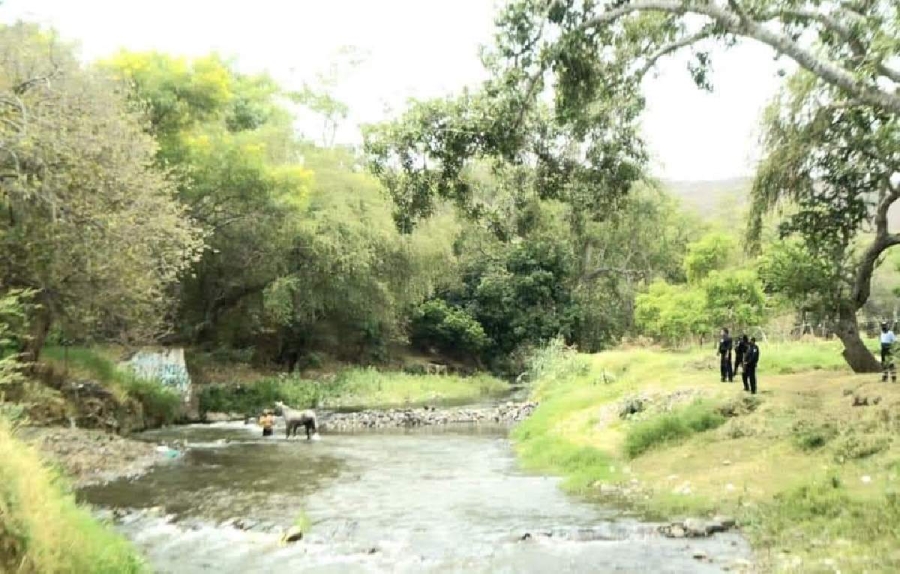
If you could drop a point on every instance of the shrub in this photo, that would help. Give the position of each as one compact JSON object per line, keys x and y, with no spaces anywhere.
{"x":254,"y":397}
{"x":854,"y":446}
{"x":670,"y":427}
{"x":447,"y":328}
{"x":161,"y":404}
{"x":808,"y":436}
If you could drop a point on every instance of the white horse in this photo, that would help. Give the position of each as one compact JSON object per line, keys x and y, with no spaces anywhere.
{"x":294,"y":418}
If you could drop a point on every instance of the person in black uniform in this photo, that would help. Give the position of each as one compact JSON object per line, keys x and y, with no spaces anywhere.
{"x":725,"y":346}
{"x":751,"y":359}
{"x":740,"y":351}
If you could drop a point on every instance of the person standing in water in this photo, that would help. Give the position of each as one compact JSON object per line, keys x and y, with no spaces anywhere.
{"x":751,"y":359}
{"x":887,"y":358}
{"x":267,"y":422}
{"x":725,"y":346}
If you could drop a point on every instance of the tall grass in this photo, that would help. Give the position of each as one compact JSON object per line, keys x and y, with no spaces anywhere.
{"x":42,"y":529}
{"x":671,"y":427}
{"x":352,"y":388}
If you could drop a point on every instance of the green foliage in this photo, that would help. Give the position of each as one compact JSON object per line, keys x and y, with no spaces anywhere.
{"x":806,"y":282}
{"x":12,"y":328}
{"x":670,"y":427}
{"x":43,"y":529}
{"x":735,"y":298}
{"x":100,"y":237}
{"x":719,"y":293}
{"x":161,"y":405}
{"x":451,"y":330}
{"x":352,"y":388}
{"x":302,"y":522}
{"x":251,"y":399}
{"x":713,"y":252}
{"x":673,"y":313}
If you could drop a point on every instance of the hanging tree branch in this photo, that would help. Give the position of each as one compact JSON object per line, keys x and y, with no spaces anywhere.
{"x":735,"y":20}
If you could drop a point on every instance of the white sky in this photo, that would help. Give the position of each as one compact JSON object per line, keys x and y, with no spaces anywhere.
{"x":414,"y":48}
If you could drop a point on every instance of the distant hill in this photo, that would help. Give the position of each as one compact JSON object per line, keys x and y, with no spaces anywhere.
{"x":717,"y":198}
{"x":712,"y":198}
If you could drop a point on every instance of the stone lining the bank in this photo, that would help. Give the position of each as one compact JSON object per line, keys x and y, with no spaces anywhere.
{"x":505,"y":414}
{"x":92,"y":457}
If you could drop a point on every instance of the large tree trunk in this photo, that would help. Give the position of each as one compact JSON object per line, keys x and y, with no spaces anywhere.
{"x":38,"y":331}
{"x":860,"y":358}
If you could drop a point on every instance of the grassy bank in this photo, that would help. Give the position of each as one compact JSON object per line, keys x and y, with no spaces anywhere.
{"x":98,"y":364}
{"x":351,"y":388}
{"x":812,"y":479}
{"x":42,"y":529}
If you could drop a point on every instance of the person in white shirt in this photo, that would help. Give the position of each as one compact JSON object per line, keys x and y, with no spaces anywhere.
{"x":887,"y":360}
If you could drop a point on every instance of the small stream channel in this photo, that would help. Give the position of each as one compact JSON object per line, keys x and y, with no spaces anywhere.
{"x":431,"y":500}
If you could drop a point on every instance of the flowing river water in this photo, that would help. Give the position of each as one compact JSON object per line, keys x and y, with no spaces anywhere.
{"x":433,"y":500}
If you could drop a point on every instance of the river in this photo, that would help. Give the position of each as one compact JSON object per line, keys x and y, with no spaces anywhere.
{"x":438,"y":500}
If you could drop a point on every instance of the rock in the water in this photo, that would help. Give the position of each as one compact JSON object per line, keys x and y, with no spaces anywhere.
{"x":700,"y":555}
{"x":722,"y":524}
{"x":293,"y":534}
{"x":674,"y":530}
{"x":696,"y":528}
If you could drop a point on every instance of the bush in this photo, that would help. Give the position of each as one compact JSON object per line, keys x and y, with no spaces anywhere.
{"x":161,"y":404}
{"x":856,"y":446}
{"x":810,"y":437}
{"x":670,"y":427}
{"x":252,"y":398}
{"x":450,"y":329}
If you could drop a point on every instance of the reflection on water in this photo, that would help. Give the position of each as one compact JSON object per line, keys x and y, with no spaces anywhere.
{"x":439,"y":500}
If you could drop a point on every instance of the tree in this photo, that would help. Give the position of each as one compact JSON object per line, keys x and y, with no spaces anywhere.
{"x":89,"y":224}
{"x":849,"y":46}
{"x":846,"y":52}
{"x":233,"y":150}
{"x":711,"y":252}
{"x":672,"y":313}
{"x":350,"y":277}
{"x":837,"y":162}
{"x":734,"y":298}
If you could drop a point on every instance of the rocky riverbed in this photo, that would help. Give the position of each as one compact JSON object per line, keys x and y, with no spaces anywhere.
{"x":505,"y":414}
{"x":92,"y":457}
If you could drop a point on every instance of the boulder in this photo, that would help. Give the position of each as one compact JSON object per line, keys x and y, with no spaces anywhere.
{"x":292,"y":534}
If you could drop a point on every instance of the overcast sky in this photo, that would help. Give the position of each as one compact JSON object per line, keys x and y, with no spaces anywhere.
{"x":413,"y":48}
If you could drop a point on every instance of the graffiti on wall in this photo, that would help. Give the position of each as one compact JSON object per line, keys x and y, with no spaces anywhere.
{"x":166,"y":366}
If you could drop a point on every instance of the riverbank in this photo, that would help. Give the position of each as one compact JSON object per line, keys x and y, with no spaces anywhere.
{"x":350,"y":389}
{"x":90,"y":457}
{"x":505,"y":414}
{"x":809,"y":467}
{"x":42,"y":529}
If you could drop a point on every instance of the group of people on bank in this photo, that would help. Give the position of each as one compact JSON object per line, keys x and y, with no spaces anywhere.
{"x":746,"y":358}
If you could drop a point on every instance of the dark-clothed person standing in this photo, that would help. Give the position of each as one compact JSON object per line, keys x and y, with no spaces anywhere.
{"x":751,"y":359}
{"x":740,"y":353}
{"x":725,"y":346}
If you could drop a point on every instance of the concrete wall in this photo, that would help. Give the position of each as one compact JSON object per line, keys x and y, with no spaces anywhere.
{"x":166,"y":365}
